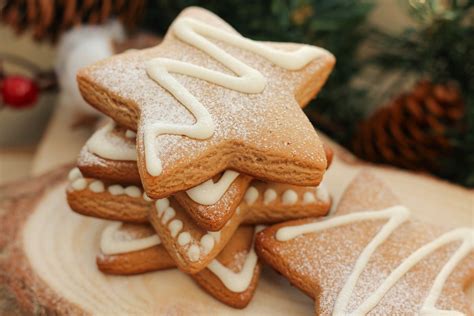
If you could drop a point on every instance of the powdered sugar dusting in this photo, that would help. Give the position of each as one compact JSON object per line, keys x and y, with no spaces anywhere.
{"x":238,"y":261}
{"x":256,"y":120}
{"x":121,"y":142}
{"x":128,"y":232}
{"x":228,"y":199}
{"x":324,"y":260}
{"x":118,"y":138}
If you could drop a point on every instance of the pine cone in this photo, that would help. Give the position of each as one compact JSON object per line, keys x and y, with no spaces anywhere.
{"x":411,"y":131}
{"x":47,"y":19}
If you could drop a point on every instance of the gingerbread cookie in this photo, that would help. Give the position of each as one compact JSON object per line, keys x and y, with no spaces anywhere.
{"x":110,"y":154}
{"x":231,"y":278}
{"x":225,"y":193}
{"x":275,"y":202}
{"x":210,"y":204}
{"x":372,"y":257}
{"x":195,"y":119}
{"x":97,"y":198}
{"x":131,"y":249}
{"x":263,"y":203}
{"x":191,"y":247}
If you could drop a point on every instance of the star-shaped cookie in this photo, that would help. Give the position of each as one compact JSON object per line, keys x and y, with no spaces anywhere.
{"x":231,"y":278}
{"x":207,"y":100}
{"x":373,"y":258}
{"x":190,"y":246}
{"x":109,"y":156}
{"x":263,"y":203}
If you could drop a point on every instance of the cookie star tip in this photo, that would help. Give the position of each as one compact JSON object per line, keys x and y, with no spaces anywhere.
{"x":206,"y":89}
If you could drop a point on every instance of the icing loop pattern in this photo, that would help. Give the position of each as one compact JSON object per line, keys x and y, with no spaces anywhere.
{"x":106,"y":145}
{"x":110,"y":245}
{"x":234,"y":281}
{"x":247,"y":79}
{"x":397,"y":215}
{"x":237,"y":282}
{"x":210,"y":192}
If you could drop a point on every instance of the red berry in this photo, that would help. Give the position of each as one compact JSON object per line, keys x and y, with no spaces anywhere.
{"x":19,"y":92}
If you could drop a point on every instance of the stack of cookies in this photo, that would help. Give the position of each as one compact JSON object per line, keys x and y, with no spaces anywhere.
{"x":207,"y":142}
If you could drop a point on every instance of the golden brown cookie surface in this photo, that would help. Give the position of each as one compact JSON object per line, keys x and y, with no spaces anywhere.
{"x":213,"y":216}
{"x":264,"y":203}
{"x":127,"y":249}
{"x":110,"y":155}
{"x":103,"y":199}
{"x":231,"y":278}
{"x":251,"y":122}
{"x":191,"y":247}
{"x":103,"y":157}
{"x":210,"y":204}
{"x":370,"y":257}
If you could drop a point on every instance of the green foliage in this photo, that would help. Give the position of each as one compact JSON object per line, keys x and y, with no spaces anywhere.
{"x":336,"y":25}
{"x":441,"y":48}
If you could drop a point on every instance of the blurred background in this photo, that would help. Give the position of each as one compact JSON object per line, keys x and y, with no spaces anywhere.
{"x":401,"y":93}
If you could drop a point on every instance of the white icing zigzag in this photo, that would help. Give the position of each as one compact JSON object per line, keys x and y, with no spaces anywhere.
{"x":106,"y":144}
{"x":247,"y":79}
{"x":396,"y":215}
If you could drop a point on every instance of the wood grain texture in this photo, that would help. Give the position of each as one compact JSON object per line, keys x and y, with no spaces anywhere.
{"x":48,"y":263}
{"x":47,"y":259}
{"x":17,"y":274}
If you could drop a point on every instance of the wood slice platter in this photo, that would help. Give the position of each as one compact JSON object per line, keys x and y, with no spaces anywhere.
{"x":47,"y":252}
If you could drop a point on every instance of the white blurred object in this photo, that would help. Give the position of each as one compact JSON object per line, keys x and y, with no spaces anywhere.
{"x":81,"y":47}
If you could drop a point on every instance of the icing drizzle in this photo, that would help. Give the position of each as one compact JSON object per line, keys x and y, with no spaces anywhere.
{"x":210,"y":192}
{"x":237,"y":281}
{"x":206,"y":193}
{"x":109,"y":245}
{"x":247,"y":79}
{"x":396,"y":215}
{"x":194,"y":248}
{"x":79,"y":183}
{"x":108,"y":146}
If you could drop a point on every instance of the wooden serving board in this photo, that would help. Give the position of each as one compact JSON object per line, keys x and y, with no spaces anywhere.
{"x":47,"y":260}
